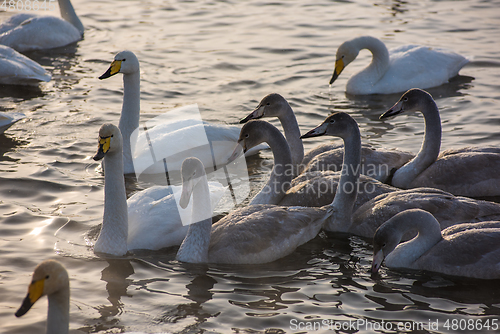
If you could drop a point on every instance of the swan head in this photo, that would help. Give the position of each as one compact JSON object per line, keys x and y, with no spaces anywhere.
{"x":389,"y":234}
{"x":49,"y":278}
{"x":346,"y":53}
{"x":125,"y":62}
{"x":192,"y":172}
{"x":338,"y":124}
{"x":252,"y":134}
{"x":110,"y":141}
{"x":272,"y":105}
{"x":413,"y":100}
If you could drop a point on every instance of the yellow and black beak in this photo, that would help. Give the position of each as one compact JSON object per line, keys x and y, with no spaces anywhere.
{"x":104,"y":144}
{"x":35,"y":291}
{"x":339,"y":67}
{"x":112,"y":70}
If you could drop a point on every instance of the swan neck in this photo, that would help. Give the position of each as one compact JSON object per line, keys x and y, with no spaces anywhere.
{"x":58,"y":314}
{"x":292,"y":135}
{"x":406,"y":253}
{"x":281,"y":175}
{"x":68,"y":14}
{"x":131,"y":108}
{"x":194,"y":248}
{"x":429,"y":150}
{"x":114,"y":230}
{"x":380,"y":60}
{"x":347,"y":189}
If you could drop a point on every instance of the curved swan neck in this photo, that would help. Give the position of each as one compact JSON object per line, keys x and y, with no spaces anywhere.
{"x":68,"y":14}
{"x":129,"y":118}
{"x":347,"y":189}
{"x":194,"y":248}
{"x":406,"y":253}
{"x":58,"y":314}
{"x":380,"y":60}
{"x":114,"y":230}
{"x":281,"y":175}
{"x":292,"y":134}
{"x":429,"y":151}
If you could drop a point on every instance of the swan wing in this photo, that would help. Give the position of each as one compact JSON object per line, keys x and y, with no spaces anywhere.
{"x":18,"y":69}
{"x":264,"y":233}
{"x":40,"y":32}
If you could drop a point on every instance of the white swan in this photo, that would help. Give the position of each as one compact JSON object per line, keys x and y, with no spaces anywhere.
{"x":255,"y":234}
{"x":150,"y":219}
{"x":469,"y":171}
{"x":369,"y":216}
{"x":396,"y":70}
{"x":472,"y":250}
{"x":26,"y":32}
{"x":185,"y":136}
{"x":376,"y":163}
{"x":9,"y":119}
{"x":50,"y":278}
{"x":18,"y":69}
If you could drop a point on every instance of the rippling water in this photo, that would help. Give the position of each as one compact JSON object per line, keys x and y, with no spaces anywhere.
{"x":225,"y":56}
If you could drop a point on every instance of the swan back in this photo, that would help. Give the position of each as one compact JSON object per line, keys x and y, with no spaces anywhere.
{"x":50,"y":278}
{"x":18,"y":69}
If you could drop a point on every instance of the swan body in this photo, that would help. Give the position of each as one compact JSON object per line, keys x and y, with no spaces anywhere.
{"x":396,"y":70}
{"x":364,"y":221}
{"x":172,"y":139}
{"x":470,"y":251}
{"x":374,"y":163}
{"x":447,"y":208}
{"x":18,"y":69}
{"x":50,"y":278}
{"x":255,"y":234}
{"x":9,"y":119}
{"x":469,"y":171}
{"x":150,"y":219}
{"x":26,"y":32}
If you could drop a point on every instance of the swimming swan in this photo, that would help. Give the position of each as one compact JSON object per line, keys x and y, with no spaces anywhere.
{"x":369,"y":216}
{"x":50,"y":278}
{"x":166,"y":134}
{"x":9,"y":119}
{"x":18,"y":69}
{"x":471,"y":251}
{"x":374,"y":163}
{"x":254,"y":234}
{"x":469,"y":171}
{"x":26,"y":32}
{"x":396,"y":70}
{"x":150,"y":218}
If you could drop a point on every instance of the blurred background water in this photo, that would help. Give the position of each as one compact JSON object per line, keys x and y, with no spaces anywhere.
{"x":225,"y":56}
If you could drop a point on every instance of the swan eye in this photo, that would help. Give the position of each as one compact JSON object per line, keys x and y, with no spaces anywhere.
{"x":47,"y":277}
{"x":332,"y":121}
{"x":405,"y":99}
{"x":268,"y":104}
{"x":247,"y":135}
